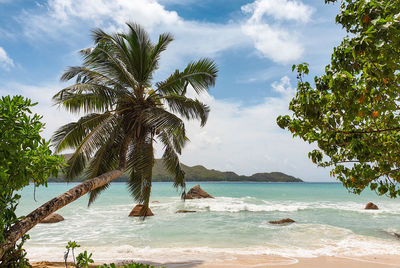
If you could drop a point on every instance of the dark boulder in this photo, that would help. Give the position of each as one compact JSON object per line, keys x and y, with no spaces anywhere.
{"x":196,"y":192}
{"x":371,"y":205}
{"x":283,"y":221}
{"x":185,"y":211}
{"x":137,"y":212}
{"x":52,"y":218}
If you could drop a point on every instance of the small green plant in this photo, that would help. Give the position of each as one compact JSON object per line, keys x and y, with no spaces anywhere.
{"x":83,"y":259}
{"x":70,"y":246}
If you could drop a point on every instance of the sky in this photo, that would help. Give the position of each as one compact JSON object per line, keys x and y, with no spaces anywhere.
{"x":253,"y":42}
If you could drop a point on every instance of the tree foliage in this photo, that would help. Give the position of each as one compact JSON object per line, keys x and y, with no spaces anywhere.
{"x":24,"y":157}
{"x":126,"y":111}
{"x":352,"y":112}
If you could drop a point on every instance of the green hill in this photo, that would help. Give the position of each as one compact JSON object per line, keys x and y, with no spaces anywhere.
{"x":200,"y":173}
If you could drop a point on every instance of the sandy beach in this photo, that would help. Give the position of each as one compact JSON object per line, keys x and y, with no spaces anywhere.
{"x":376,"y":261}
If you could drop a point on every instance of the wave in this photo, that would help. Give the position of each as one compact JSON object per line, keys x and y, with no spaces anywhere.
{"x":230,"y":204}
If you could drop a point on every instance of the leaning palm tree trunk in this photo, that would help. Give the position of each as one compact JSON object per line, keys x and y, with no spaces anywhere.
{"x":18,"y":230}
{"x":23,"y":226}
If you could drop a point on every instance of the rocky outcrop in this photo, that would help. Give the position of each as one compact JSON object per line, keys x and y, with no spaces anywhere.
{"x":196,"y":193}
{"x":137,"y":212}
{"x":52,"y":218}
{"x":371,"y":205}
{"x":283,"y":221}
{"x":185,"y":211}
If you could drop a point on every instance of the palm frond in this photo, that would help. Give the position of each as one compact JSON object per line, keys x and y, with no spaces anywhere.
{"x":171,"y":161}
{"x":109,"y":59}
{"x":162,"y":44}
{"x":71,"y":135}
{"x":162,"y":120}
{"x":91,"y":142}
{"x":105,"y":159}
{"x":140,"y":48}
{"x":107,"y":156}
{"x":140,"y":166}
{"x":96,"y":192}
{"x":98,"y":35}
{"x":187,"y":107}
{"x":86,"y":75}
{"x":86,"y":97}
{"x":200,"y":75}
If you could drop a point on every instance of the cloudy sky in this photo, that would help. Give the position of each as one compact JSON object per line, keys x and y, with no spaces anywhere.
{"x":254,"y":43}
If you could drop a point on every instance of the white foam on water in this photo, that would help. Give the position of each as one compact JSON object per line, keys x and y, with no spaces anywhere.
{"x":230,"y":204}
{"x":112,"y":236}
{"x":352,"y":246}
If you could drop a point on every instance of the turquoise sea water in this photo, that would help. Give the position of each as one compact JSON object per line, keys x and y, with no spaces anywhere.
{"x":329,"y":221}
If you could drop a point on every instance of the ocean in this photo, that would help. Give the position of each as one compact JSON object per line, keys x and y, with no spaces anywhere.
{"x":329,"y":221}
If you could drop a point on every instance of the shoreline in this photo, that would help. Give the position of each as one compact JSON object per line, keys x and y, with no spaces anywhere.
{"x":270,"y":261}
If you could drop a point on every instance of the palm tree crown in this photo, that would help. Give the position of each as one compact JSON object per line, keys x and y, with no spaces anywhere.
{"x":125,"y":112}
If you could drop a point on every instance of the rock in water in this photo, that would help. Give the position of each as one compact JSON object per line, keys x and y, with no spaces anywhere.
{"x":196,"y":192}
{"x":371,"y":205}
{"x":136,"y":212}
{"x":52,"y":218}
{"x":185,"y":211}
{"x":287,"y":220}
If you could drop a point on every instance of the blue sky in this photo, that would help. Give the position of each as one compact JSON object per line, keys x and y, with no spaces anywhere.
{"x":254,"y":44}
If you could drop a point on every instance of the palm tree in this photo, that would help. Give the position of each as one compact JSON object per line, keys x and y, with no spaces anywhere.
{"x":125,"y":113}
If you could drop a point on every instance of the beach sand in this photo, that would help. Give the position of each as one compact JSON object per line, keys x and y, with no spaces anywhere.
{"x":270,"y":261}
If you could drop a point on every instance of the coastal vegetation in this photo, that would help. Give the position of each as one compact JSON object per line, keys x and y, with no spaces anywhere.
{"x":352,"y":112}
{"x":24,"y":157}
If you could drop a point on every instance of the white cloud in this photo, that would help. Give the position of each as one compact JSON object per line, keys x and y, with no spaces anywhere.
{"x":284,"y":87}
{"x":279,"y":9}
{"x":192,"y":38}
{"x":276,"y":42}
{"x":5,"y":61}
{"x":63,"y":19}
{"x":246,"y":139}
{"x":118,"y":11}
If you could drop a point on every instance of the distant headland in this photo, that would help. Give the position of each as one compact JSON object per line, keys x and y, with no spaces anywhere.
{"x":200,"y":173}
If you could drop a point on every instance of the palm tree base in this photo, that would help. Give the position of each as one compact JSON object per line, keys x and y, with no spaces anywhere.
{"x":138,"y":211}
